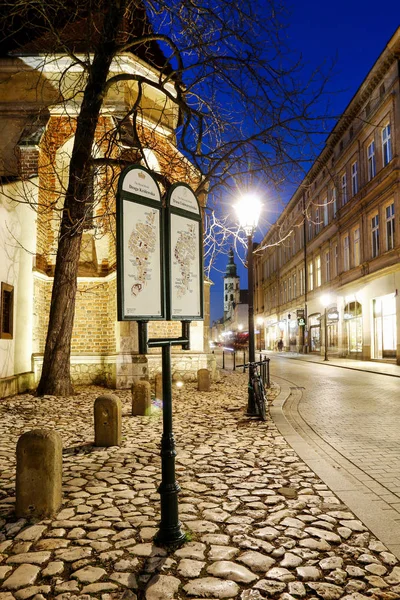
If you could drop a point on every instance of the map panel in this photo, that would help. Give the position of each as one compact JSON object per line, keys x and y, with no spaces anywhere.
{"x":142,"y":260}
{"x":185,"y":268}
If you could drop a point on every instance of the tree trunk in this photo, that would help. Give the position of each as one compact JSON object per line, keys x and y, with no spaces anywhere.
{"x":56,"y":377}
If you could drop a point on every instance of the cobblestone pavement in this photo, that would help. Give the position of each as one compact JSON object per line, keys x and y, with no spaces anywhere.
{"x":261,"y":523}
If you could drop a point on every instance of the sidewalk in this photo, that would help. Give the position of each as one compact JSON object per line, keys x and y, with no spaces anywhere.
{"x":261,"y":523}
{"x":370,"y":366}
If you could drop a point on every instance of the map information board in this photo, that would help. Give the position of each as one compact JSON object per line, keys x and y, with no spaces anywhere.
{"x":139,"y":246}
{"x":185,"y":298}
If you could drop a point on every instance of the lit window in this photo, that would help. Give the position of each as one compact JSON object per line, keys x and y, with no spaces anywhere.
{"x":344,"y":188}
{"x":371,"y":161}
{"x":294,"y":285}
{"x":356,"y":246}
{"x":6,"y":311}
{"x":310,"y":277}
{"x":318,"y":271}
{"x":327,"y":266}
{"x":390,"y":227}
{"x":386,"y":145}
{"x":375,"y":235}
{"x":354,"y":178}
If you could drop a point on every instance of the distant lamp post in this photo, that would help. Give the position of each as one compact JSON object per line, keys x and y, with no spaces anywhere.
{"x":240,"y":327}
{"x":325,"y":301}
{"x":260,"y":322}
{"x":248,"y":211}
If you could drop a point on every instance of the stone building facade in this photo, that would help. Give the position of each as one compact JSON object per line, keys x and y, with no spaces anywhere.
{"x":336,"y":266}
{"x":37,"y":139}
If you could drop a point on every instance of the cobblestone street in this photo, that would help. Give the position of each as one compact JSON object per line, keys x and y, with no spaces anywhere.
{"x":261,"y":524}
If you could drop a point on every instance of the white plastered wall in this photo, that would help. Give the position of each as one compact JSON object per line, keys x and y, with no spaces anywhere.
{"x":17,"y":249}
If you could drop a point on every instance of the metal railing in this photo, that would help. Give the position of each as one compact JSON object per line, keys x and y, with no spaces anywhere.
{"x":230,"y":362}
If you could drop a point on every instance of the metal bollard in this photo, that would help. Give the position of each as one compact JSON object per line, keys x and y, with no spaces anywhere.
{"x":223,"y":359}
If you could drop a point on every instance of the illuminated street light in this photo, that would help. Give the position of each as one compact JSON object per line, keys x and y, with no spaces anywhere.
{"x":248,"y":211}
{"x":325,"y":301}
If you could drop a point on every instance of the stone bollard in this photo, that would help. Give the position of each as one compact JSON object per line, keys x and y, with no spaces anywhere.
{"x":159,"y":388}
{"x":107,"y":421}
{"x":203,"y":380}
{"x":141,"y":398}
{"x":39,"y":474}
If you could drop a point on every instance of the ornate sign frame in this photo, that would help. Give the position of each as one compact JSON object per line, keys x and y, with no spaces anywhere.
{"x":140,"y":244}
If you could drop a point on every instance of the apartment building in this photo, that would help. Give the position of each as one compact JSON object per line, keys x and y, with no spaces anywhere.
{"x":328,"y":271}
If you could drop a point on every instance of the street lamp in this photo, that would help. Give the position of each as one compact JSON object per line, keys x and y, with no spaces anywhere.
{"x":248,"y":211}
{"x":325,"y":301}
{"x":260,"y":322}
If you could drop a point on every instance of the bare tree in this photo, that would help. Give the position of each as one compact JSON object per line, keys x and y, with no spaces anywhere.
{"x":244,"y":110}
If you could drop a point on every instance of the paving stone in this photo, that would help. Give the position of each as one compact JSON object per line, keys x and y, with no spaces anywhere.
{"x":194,"y":550}
{"x":230,"y":570}
{"x":162,"y":587}
{"x":32,"y":533}
{"x":280,"y":574}
{"x":33,"y":558}
{"x":24,"y":575}
{"x":260,"y":563}
{"x":209,"y":587}
{"x":32,"y":592}
{"x":327,"y":591}
{"x":222,"y":552}
{"x":190,"y":568}
{"x":89,"y":574}
{"x":126,"y":579}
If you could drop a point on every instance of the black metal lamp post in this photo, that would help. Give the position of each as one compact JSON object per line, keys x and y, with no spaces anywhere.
{"x":248,"y":212}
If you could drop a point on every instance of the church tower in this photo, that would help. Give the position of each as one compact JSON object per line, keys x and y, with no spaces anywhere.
{"x":231,"y":287}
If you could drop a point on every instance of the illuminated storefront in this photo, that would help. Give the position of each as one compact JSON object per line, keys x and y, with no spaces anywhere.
{"x":314,"y":328}
{"x":353,"y":322}
{"x":385,"y":338}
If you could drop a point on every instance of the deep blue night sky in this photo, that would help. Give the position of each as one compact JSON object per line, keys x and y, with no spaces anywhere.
{"x":351,"y":32}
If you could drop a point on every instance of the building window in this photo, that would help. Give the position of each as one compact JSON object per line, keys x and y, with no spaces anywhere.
{"x":334,"y":201}
{"x":386,"y":145}
{"x":284,"y":291}
{"x":290,"y":288}
{"x":344,"y":188}
{"x":356,"y":246}
{"x":327,"y":266}
{"x":371,"y":161}
{"x":294,"y":285}
{"x":317,"y":222}
{"x":390,"y":227}
{"x":354,"y":178}
{"x":326,"y":214}
{"x":346,"y":253}
{"x":309,"y":230}
{"x":301,"y":273}
{"x":6,"y":311}
{"x":375,"y":235}
{"x":336,"y":259}
{"x":318,"y":272}
{"x":310,"y":277}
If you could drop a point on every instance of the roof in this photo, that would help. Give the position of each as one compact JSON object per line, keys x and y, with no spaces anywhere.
{"x":74,"y":28}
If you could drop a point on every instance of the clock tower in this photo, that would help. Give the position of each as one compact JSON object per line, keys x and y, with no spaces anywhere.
{"x":231,"y":287}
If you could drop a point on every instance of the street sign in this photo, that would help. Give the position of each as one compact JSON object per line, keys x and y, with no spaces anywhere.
{"x":301,"y":322}
{"x":140,"y":264}
{"x":184,"y":255}
{"x":300,"y":313}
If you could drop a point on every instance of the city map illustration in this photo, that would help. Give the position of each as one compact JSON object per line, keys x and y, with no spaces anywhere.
{"x":142,"y":244}
{"x":185,"y":252}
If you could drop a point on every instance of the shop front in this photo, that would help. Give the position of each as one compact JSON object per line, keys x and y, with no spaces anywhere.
{"x":314,"y":332}
{"x":384,"y":324}
{"x":353,"y":328}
